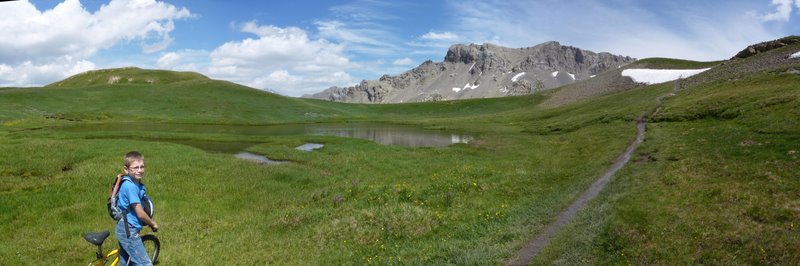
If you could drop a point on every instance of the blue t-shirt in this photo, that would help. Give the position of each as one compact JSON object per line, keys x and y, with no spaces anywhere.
{"x":131,"y":193}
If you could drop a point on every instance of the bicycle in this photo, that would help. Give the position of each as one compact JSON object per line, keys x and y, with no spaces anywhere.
{"x":151,"y":245}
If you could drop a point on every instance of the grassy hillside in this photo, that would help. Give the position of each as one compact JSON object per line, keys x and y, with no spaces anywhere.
{"x":715,"y":181}
{"x":612,"y":81}
{"x":182,"y":97}
{"x":127,"y":75}
{"x":671,"y":63}
{"x":190,"y":101}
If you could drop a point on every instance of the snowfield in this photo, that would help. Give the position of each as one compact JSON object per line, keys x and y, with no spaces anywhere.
{"x":516,"y":77}
{"x":654,"y":76}
{"x":795,"y":55}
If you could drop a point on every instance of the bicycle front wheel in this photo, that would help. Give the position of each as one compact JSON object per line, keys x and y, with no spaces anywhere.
{"x":152,"y":246}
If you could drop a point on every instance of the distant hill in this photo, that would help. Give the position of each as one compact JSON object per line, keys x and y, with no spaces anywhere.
{"x":134,"y":94}
{"x":480,"y":71}
{"x":127,"y":75}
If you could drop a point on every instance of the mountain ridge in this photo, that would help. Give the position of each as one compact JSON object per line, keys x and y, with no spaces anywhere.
{"x":480,"y":71}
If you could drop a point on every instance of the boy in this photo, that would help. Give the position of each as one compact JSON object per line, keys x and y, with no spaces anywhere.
{"x":131,"y":196}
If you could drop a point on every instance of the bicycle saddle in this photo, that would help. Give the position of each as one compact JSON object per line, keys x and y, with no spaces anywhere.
{"x":96,"y":238}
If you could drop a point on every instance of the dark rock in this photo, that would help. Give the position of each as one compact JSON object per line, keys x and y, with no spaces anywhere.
{"x":766,"y":46}
{"x":521,"y":87}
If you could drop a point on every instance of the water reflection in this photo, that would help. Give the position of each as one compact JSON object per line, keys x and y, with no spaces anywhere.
{"x":387,"y":134}
{"x":393,"y":135}
{"x":261,"y":159}
{"x":309,"y":146}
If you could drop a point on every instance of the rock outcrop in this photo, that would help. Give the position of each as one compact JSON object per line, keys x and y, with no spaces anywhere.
{"x":480,"y":71}
{"x":766,"y":46}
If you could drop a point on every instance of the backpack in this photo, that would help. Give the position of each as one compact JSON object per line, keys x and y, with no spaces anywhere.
{"x":114,"y":211}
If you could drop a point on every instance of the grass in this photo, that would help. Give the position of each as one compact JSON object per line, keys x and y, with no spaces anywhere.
{"x":671,"y":63}
{"x":463,"y":204}
{"x":719,"y":159}
{"x":353,"y":201}
{"x":205,"y":101}
{"x":715,"y":182}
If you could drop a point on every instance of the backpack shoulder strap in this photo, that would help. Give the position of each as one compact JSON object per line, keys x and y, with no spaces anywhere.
{"x":115,"y":188}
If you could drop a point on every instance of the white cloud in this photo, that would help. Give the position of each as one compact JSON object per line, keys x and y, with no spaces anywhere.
{"x":368,"y":39}
{"x":434,"y":43}
{"x":282,"y":59}
{"x":338,"y":30}
{"x":783,"y":10}
{"x":403,"y":61}
{"x":368,"y":10}
{"x":169,"y":60}
{"x":639,"y":29}
{"x":161,"y":45}
{"x":447,"y":36}
{"x":64,"y":37}
{"x":31,"y":74}
{"x":282,"y":76}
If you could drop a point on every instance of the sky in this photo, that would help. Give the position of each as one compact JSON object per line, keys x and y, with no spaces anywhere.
{"x":300,"y":47}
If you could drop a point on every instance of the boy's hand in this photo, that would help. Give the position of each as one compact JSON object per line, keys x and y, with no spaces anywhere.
{"x":154,"y":226}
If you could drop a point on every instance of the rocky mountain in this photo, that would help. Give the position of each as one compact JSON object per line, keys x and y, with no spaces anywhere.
{"x":481,"y":71}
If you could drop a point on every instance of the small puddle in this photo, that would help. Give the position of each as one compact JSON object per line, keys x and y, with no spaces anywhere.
{"x":309,"y":146}
{"x":261,"y":159}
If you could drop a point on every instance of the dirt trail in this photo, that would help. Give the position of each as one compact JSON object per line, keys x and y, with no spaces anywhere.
{"x":532,"y":249}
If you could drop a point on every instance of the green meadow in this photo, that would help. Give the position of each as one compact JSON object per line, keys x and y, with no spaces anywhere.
{"x":715,"y":181}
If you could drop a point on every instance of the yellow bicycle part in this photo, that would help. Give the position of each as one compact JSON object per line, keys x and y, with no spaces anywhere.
{"x":112,"y":256}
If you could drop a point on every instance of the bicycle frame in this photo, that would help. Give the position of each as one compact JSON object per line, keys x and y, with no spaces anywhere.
{"x":103,"y":260}
{"x":112,"y":257}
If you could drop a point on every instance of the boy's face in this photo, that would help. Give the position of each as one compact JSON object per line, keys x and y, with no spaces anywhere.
{"x":136,"y":169}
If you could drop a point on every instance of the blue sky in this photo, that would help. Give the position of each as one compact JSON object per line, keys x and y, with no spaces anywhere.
{"x":298,"y":47}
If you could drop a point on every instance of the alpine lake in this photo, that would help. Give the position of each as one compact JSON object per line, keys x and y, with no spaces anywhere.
{"x":381,"y":133}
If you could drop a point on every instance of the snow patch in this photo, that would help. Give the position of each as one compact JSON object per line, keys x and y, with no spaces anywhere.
{"x":795,"y":55}
{"x":516,"y":77}
{"x":653,"y":76}
{"x":470,"y":67}
{"x":555,"y":73}
{"x":571,"y":75}
{"x":592,"y":76}
{"x":467,"y":86}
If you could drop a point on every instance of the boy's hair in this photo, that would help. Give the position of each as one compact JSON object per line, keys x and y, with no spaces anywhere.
{"x":132,"y":157}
